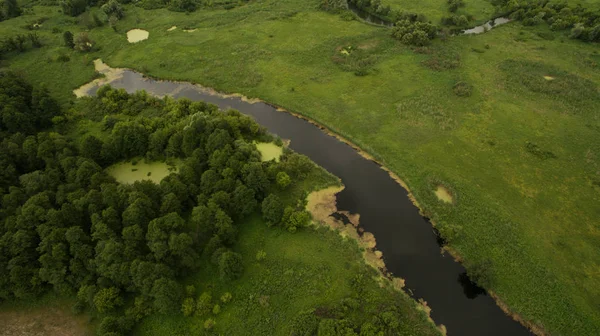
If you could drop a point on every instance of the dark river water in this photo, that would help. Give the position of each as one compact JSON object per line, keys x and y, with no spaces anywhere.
{"x":409,"y":244}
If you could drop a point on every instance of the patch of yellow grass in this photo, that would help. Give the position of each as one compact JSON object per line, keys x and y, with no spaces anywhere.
{"x":443,"y":194}
{"x":269,"y":151}
{"x":548,"y":78}
{"x":172,"y":28}
{"x":137,"y":35}
{"x":127,"y":173}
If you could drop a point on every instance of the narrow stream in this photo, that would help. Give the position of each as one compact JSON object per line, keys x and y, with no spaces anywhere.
{"x":409,"y":244}
{"x":372,"y":19}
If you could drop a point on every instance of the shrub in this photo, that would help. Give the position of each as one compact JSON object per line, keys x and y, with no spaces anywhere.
{"x":462,"y":89}
{"x":182,"y":5}
{"x":68,"y":39}
{"x":209,"y":324}
{"x":414,"y":32}
{"x":226,"y":298}
{"x":216,"y":309}
{"x":83,"y":42}
{"x":204,"y":304}
{"x":188,"y":307}
{"x":231,"y":266}
{"x":283,"y":180}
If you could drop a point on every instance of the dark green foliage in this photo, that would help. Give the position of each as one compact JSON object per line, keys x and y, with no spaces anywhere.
{"x":24,"y":108}
{"x":454,"y":5}
{"x":9,"y":9}
{"x":305,"y":324}
{"x":482,"y":273}
{"x":583,"y":23}
{"x":182,"y":5}
{"x":272,"y":209}
{"x":70,"y":227}
{"x":113,"y":9}
{"x":462,"y":89}
{"x":414,"y":32}
{"x":538,"y":152}
{"x":333,"y":6}
{"x":230,"y":265}
{"x":73,"y":7}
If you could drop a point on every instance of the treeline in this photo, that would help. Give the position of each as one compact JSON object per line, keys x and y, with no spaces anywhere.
{"x":584,"y":24}
{"x":68,"y":226}
{"x":9,"y":9}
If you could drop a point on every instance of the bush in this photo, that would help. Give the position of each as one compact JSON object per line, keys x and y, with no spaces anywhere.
{"x":226,"y":298}
{"x":231,"y":266}
{"x":68,"y":39}
{"x":204,"y":304}
{"x":83,"y":42}
{"x":209,"y":324}
{"x":283,"y":180}
{"x":182,"y":5}
{"x":188,"y":306}
{"x":414,"y":33}
{"x":462,"y":89}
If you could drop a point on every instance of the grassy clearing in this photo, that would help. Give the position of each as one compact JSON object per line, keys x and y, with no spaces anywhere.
{"x":532,"y":216}
{"x":129,"y":172}
{"x":309,"y":269}
{"x":269,"y":151}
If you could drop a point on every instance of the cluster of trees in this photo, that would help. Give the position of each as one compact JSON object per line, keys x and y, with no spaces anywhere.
{"x":584,"y":24}
{"x":66,"y":225}
{"x":24,"y":108}
{"x":9,"y":9}
{"x":19,"y":43}
{"x":414,"y":32}
{"x":454,"y":5}
{"x":376,"y":7}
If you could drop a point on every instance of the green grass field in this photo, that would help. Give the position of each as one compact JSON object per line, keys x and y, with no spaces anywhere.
{"x":521,"y":155}
{"x":313,"y":268}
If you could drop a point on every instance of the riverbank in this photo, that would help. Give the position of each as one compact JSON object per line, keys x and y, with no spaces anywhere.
{"x":521,"y":214}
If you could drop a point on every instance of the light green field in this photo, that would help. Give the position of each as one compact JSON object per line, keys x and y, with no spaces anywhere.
{"x":534,"y":218}
{"x":269,"y":151}
{"x":128,"y":173}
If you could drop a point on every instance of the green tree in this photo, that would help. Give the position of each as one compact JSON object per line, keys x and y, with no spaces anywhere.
{"x":167,"y":295}
{"x":283,"y":180}
{"x":11,"y":9}
{"x":231,"y":266}
{"x":272,"y":209}
{"x":204,"y":304}
{"x":188,"y":306}
{"x":107,"y":299}
{"x":68,"y":39}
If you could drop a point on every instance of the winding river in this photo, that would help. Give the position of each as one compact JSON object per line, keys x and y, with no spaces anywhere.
{"x":408,"y":242}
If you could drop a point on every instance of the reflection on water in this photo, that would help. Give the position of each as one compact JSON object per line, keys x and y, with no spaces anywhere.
{"x":469,"y":287}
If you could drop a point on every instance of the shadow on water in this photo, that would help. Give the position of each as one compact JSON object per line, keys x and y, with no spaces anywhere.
{"x":469,"y":287}
{"x":411,"y":249}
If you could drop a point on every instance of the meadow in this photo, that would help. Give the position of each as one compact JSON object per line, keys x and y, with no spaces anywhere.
{"x":519,"y":152}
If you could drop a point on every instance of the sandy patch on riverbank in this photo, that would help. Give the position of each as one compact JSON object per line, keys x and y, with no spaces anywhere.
{"x":110,"y":74}
{"x":137,"y":35}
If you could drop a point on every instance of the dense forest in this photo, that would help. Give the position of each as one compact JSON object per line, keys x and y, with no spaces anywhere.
{"x":70,"y":227}
{"x":123,"y":250}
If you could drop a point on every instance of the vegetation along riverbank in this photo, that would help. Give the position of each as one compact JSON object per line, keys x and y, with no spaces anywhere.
{"x":505,"y":121}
